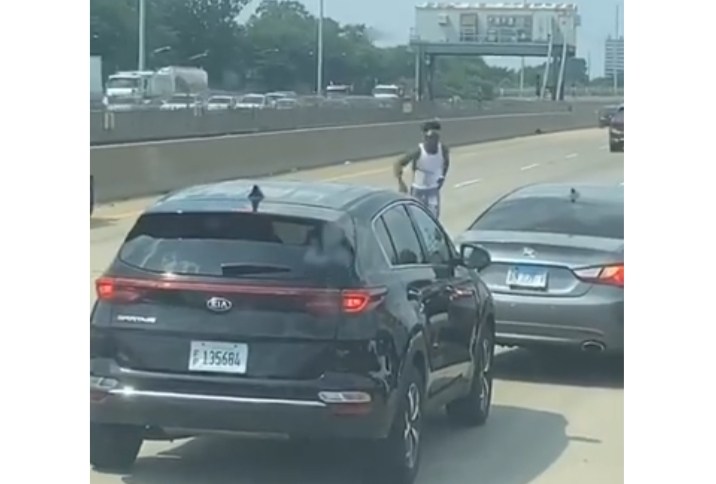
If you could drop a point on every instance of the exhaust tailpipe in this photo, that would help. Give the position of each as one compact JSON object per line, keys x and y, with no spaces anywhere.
{"x":593,"y":347}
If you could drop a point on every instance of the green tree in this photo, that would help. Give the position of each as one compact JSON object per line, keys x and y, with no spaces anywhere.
{"x":113,"y":33}
{"x":275,"y":50}
{"x":203,"y":33}
{"x":281,"y":41}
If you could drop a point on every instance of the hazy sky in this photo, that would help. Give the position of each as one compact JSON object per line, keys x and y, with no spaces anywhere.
{"x":394,"y":18}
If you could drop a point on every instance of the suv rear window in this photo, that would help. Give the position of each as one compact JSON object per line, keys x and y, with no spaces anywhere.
{"x":241,"y":245}
{"x":556,"y":216}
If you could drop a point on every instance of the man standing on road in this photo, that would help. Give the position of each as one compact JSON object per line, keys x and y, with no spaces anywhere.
{"x":430,"y":163}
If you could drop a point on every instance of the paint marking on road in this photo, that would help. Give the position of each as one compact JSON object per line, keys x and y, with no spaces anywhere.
{"x":621,"y":184}
{"x":603,"y":148}
{"x":572,"y":155}
{"x":468,"y":183}
{"x":529,"y":167}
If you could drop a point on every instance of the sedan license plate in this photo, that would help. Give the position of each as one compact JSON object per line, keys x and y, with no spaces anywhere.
{"x":218,"y":357}
{"x":527,"y":277}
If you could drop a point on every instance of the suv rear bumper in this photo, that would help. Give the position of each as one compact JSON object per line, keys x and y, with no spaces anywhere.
{"x":202,"y":413}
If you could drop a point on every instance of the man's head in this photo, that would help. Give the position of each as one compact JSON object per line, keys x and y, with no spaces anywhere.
{"x":431,"y":134}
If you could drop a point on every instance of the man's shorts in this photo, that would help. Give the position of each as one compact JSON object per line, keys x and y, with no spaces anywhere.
{"x":429,"y":197}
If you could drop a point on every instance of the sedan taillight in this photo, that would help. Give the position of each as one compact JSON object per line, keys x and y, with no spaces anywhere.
{"x":612,"y":275}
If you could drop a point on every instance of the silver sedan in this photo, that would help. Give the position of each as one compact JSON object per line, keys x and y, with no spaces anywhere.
{"x":557,"y":272}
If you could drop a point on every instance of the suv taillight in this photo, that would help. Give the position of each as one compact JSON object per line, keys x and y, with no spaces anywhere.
{"x":315,"y":300}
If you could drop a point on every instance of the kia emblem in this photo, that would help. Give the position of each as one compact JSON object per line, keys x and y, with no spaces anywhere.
{"x":218,"y":304}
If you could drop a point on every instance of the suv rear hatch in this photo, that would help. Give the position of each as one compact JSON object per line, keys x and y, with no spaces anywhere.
{"x":250,"y":294}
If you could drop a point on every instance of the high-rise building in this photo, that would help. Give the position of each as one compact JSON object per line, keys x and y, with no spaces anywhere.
{"x":614,"y":57}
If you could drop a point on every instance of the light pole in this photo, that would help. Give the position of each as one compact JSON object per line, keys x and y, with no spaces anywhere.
{"x":142,"y":21}
{"x":522,"y":64}
{"x":319,"y":62}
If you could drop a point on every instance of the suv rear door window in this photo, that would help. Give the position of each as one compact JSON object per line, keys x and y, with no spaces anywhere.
{"x":240,"y":245}
{"x":385,"y":241}
{"x":433,"y":237}
{"x":556,"y":216}
{"x":403,"y":234}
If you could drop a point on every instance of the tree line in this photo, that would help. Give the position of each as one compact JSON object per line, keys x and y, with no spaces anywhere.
{"x":274,"y":50}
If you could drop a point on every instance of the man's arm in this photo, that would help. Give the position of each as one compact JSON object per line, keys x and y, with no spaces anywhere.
{"x":446,"y":157}
{"x":404,"y":161}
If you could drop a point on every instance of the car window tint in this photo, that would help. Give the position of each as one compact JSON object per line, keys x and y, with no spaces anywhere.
{"x":240,"y":245}
{"x":403,"y":235}
{"x":594,"y":218}
{"x":385,"y":241}
{"x":433,"y":237}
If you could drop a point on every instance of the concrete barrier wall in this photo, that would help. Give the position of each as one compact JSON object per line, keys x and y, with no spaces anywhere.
{"x":123,"y":127}
{"x":126,"y":171}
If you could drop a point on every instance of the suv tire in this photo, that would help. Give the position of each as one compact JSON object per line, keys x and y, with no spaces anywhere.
{"x":114,"y":447}
{"x":400,"y":452}
{"x":473,"y":409}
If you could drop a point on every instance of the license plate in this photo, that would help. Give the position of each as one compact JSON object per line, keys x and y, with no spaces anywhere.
{"x":218,"y":357}
{"x":528,"y":277}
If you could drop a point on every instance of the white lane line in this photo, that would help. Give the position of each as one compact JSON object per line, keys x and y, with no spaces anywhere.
{"x":572,"y":155}
{"x":529,"y":167}
{"x":468,"y":183}
{"x":602,"y":148}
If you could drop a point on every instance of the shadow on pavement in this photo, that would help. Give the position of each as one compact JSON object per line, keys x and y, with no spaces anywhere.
{"x":560,"y":368}
{"x":101,"y":222}
{"x":515,"y":447}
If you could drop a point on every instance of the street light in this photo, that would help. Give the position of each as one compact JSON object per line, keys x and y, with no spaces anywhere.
{"x":142,"y":21}
{"x":319,"y":66}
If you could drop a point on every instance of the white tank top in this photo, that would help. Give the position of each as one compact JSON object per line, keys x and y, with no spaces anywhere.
{"x":428,"y":168}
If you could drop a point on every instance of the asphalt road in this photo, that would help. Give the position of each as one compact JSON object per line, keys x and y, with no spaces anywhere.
{"x":554,"y":421}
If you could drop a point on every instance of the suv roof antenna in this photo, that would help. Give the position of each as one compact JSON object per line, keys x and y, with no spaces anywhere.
{"x":255,"y":197}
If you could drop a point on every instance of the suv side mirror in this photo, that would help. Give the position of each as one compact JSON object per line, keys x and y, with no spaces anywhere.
{"x":474,"y":256}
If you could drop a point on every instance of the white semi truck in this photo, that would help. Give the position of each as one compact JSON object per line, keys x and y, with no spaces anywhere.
{"x":132,"y":88}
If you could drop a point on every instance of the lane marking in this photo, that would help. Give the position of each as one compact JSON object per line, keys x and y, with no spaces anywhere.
{"x":602,"y":148}
{"x":572,"y":155}
{"x":467,"y":183}
{"x":344,"y":176}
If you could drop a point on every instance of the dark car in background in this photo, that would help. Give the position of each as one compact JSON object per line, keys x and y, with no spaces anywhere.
{"x":557,"y":271}
{"x":300,"y":309}
{"x":91,"y":195}
{"x":616,"y":131}
{"x":604,"y":115}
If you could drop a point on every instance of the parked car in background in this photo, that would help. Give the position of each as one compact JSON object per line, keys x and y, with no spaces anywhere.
{"x":272,"y":98}
{"x":296,"y":308}
{"x":220,"y":103}
{"x":616,"y":131}
{"x":179,"y":102}
{"x":605,"y":115}
{"x":286,"y":103}
{"x":252,"y":101}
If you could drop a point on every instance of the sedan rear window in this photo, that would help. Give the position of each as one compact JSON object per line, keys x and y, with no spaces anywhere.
{"x":240,"y":245}
{"x":556,"y":216}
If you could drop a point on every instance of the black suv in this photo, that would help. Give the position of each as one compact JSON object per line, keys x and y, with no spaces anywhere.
{"x":616,"y":131}
{"x":308,"y":310}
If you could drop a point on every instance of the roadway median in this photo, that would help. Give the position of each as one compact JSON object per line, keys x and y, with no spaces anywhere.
{"x":149,"y":168}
